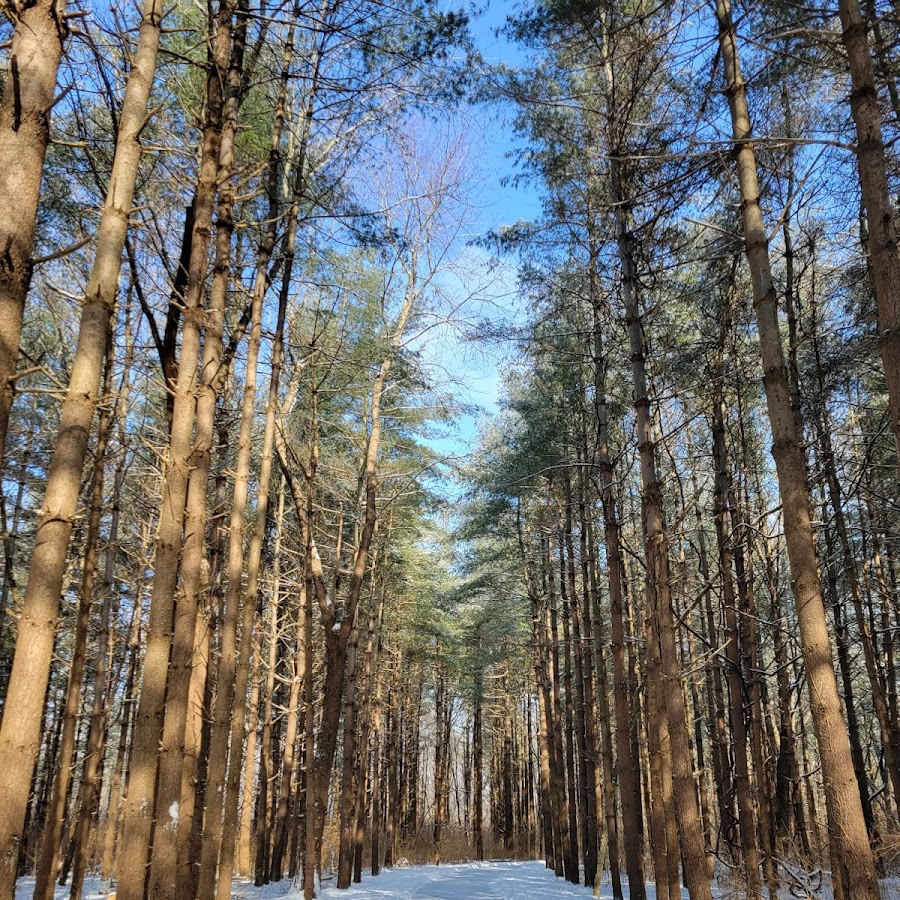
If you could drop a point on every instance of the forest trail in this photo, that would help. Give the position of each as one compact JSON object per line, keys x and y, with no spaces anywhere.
{"x":448,"y":430}
{"x":494,"y":880}
{"x":498,"y":880}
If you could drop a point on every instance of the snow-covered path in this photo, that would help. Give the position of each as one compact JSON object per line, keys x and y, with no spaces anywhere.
{"x":498,"y":880}
{"x":469,"y":881}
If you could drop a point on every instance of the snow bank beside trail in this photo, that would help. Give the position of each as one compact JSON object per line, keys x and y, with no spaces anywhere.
{"x":92,"y":890}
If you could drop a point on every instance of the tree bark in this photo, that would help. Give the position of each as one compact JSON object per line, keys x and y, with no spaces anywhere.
{"x":34,"y":56}
{"x":164,"y":861}
{"x":20,"y":731}
{"x":628,"y":765}
{"x":129,"y":705}
{"x":850,"y":839}
{"x":746,"y":816}
{"x":478,"y":775}
{"x":49,"y":860}
{"x":871,"y":162}
{"x":656,"y":550}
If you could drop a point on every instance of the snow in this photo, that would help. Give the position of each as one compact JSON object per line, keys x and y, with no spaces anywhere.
{"x":93,"y":889}
{"x":495,"y":880}
{"x":500,"y":880}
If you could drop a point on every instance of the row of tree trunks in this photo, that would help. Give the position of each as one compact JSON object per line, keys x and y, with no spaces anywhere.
{"x":736,"y":688}
{"x":852,"y":852}
{"x":232,"y":744}
{"x":658,"y":577}
{"x":20,"y":730}
{"x":197,"y":413}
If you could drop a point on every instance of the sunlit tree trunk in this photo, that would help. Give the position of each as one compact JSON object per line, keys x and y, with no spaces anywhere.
{"x":871,"y":161}
{"x":20,"y":731}
{"x":49,"y":860}
{"x":129,"y":705}
{"x":478,"y":774}
{"x":605,"y":781}
{"x":850,"y":838}
{"x":663,"y":833}
{"x":440,"y":757}
{"x":97,"y":733}
{"x":35,"y":51}
{"x":559,"y":763}
{"x":285,"y":793}
{"x":172,"y":821}
{"x":566,"y":720}
{"x":348,"y":768}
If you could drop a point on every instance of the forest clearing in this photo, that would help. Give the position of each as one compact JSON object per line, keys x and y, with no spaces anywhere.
{"x":449,"y":452}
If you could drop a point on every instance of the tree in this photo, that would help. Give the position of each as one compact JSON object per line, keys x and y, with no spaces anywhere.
{"x":19,"y":733}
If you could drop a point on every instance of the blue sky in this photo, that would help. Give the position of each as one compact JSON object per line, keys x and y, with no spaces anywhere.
{"x":475,"y":368}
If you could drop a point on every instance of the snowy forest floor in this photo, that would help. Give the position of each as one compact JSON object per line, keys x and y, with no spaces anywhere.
{"x":496,"y":880}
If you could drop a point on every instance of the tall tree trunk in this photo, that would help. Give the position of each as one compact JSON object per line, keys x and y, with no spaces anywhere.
{"x":746,"y":816}
{"x":605,"y":781}
{"x":164,"y":862}
{"x":567,"y":720}
{"x":842,"y":640}
{"x":349,"y":770}
{"x":48,"y":862}
{"x":285,"y":793}
{"x":20,"y":731}
{"x":254,"y":557}
{"x":245,"y":826}
{"x":309,"y":751}
{"x":163,"y":708}
{"x":549,"y":817}
{"x":657,"y":553}
{"x":851,"y":840}
{"x":96,"y":740}
{"x":34,"y":56}
{"x":372,"y":688}
{"x":790,"y":812}
{"x":266,"y":761}
{"x":392,"y":752}
{"x":559,"y":766}
{"x":440,"y":752}
{"x":890,"y":740}
{"x":871,"y":161}
{"x":715,"y":699}
{"x":663,"y":833}
{"x":586,"y":699}
{"x":129,"y":705}
{"x":628,"y":765}
{"x":750,"y":659}
{"x":478,"y":775}
{"x":229,"y":716}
